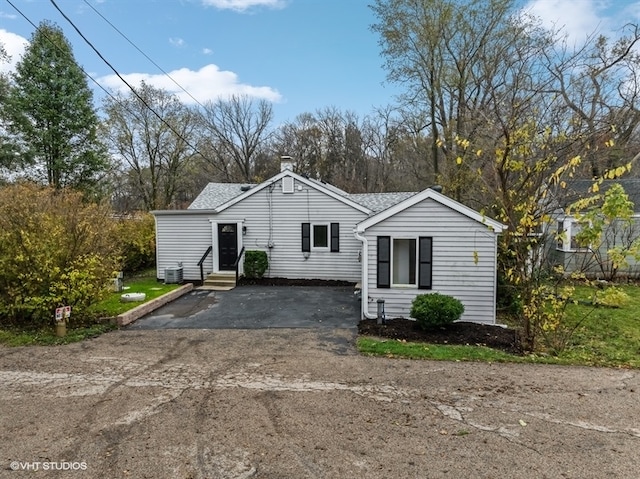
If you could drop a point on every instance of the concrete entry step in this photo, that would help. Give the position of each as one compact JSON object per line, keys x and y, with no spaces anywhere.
{"x":220,"y":281}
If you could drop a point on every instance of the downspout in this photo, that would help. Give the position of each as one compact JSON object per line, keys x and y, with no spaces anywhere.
{"x":364,"y":291}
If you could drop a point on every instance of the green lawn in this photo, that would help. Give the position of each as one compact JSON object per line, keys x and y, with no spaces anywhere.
{"x":109,"y":307}
{"x":147,"y":284}
{"x":605,"y":337}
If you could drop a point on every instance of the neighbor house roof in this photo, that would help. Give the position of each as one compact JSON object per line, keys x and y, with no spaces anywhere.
{"x":577,"y":189}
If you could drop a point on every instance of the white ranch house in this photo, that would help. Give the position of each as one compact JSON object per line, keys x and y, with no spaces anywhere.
{"x":396,"y":245}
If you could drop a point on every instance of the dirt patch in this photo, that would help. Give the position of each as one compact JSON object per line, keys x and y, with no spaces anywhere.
{"x":289,"y":403}
{"x":464,"y":333}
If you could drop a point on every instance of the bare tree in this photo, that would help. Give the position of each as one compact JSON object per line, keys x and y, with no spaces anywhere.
{"x":153,"y":133}
{"x":302,"y":140}
{"x":456,"y":61}
{"x":236,"y":130}
{"x":599,"y":85}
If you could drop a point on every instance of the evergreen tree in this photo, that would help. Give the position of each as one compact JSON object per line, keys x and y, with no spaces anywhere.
{"x":50,"y":113}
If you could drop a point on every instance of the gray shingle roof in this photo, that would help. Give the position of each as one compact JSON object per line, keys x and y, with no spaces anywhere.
{"x":380,"y":201}
{"x":216,"y":194}
{"x":577,"y":189}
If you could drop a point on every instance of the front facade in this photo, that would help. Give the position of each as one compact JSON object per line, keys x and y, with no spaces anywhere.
{"x":396,"y":245}
{"x":304,"y":227}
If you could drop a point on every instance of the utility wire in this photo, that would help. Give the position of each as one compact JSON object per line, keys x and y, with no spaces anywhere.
{"x":115,"y":99}
{"x":56,"y":46}
{"x":133,"y":90}
{"x":143,"y":53}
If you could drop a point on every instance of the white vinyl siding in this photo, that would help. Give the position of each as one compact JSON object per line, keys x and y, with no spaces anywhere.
{"x":274,"y":223}
{"x":183,"y":238}
{"x":455,"y":271}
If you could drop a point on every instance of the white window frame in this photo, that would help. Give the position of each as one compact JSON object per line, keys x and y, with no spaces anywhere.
{"x":570,"y":228}
{"x":416,"y":262}
{"x":312,"y":238}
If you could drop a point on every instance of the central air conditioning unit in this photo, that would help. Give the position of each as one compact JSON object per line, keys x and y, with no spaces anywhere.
{"x":173,"y":275}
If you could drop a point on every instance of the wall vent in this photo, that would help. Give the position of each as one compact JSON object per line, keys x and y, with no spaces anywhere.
{"x":287,"y":184}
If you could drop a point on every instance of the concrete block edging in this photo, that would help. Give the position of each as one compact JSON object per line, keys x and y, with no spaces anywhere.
{"x":136,"y":313}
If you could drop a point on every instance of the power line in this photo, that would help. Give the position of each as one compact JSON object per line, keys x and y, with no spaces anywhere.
{"x":56,"y":46}
{"x":133,"y":90}
{"x":115,"y":99}
{"x":143,"y":53}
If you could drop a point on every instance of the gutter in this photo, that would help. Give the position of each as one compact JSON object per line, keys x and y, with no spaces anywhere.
{"x":364,"y":290}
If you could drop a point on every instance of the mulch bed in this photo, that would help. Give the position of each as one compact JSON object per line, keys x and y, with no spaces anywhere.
{"x":464,"y":333}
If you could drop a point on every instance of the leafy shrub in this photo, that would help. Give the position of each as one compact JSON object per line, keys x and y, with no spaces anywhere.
{"x":435,"y":309}
{"x":255,"y":263}
{"x":611,"y":297}
{"x":137,"y":238}
{"x":55,"y":249}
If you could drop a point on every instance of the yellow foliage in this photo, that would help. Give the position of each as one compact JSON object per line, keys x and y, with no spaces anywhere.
{"x":55,"y":249}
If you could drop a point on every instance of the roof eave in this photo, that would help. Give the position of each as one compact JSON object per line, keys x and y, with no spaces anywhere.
{"x":438,"y":197}
{"x":299,"y":178}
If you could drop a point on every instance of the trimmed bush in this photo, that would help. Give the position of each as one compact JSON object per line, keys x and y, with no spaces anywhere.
{"x":435,"y":309}
{"x":255,"y":263}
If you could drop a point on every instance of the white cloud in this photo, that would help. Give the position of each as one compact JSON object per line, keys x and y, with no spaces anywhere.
{"x":207,"y":51}
{"x":15,"y":46}
{"x":207,"y":84}
{"x":177,"y":42}
{"x":243,"y":5}
{"x":576,"y":19}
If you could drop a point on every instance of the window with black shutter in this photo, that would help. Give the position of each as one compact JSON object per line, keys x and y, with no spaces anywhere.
{"x":306,"y":237}
{"x":425,"y":254}
{"x":384,"y":262}
{"x":335,"y":237}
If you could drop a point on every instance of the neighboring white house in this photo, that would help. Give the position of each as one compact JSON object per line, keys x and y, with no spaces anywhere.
{"x":588,"y":259}
{"x":312,"y":230}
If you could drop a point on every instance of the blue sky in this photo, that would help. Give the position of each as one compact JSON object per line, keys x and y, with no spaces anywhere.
{"x":302,"y":55}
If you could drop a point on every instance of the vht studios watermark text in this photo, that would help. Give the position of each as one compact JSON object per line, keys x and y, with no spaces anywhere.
{"x":48,"y":466}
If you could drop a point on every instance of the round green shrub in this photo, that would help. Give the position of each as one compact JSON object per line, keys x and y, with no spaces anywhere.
{"x":255,"y":263}
{"x":435,"y":309}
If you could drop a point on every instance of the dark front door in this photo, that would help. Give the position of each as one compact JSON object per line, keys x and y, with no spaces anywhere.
{"x":227,"y":246}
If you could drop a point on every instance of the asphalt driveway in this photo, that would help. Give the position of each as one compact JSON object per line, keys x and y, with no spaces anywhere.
{"x":258,"y":307}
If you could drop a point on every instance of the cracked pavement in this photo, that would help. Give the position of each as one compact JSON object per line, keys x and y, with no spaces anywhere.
{"x":301,"y":403}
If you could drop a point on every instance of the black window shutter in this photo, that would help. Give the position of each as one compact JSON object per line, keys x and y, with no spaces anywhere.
{"x":384,"y":262}
{"x":335,"y":237}
{"x":306,"y":237}
{"x":425,"y":263}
